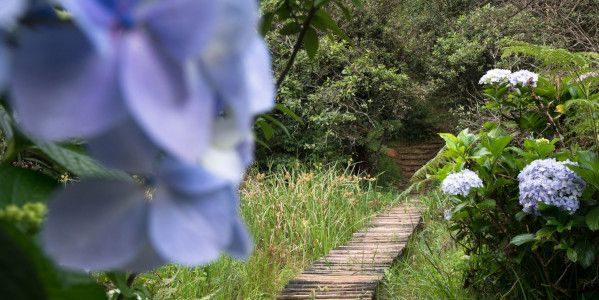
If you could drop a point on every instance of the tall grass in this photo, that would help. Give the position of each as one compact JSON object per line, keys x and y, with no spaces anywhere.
{"x":295,"y":216}
{"x":432,"y":266}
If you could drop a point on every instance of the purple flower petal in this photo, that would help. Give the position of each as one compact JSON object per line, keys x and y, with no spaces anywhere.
{"x":4,"y":64}
{"x":175,"y":115}
{"x":236,"y":24}
{"x":96,"y":225}
{"x":96,"y":18}
{"x":60,"y":88}
{"x":241,"y":245}
{"x":259,"y":78}
{"x":125,"y":147}
{"x":192,"y":230}
{"x":10,"y":12}
{"x":145,"y":260}
{"x":183,"y":27}
{"x":189,"y":179}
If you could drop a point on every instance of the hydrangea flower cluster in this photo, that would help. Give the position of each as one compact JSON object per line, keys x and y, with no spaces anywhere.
{"x":551,"y":182}
{"x":164,"y":89}
{"x":524,"y":77}
{"x":461,"y":183}
{"x":495,"y":76}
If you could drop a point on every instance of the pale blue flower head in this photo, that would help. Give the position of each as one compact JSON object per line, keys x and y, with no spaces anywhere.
{"x":461,"y":183}
{"x":524,"y":77}
{"x":495,"y":76}
{"x":551,"y":182}
{"x":140,"y":61}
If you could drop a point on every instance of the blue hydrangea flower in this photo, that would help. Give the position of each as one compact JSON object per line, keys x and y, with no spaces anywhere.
{"x":524,"y":77}
{"x":551,"y":182}
{"x":11,"y":10}
{"x":461,"y":183}
{"x":140,"y":61}
{"x":495,"y":76}
{"x":183,"y":215}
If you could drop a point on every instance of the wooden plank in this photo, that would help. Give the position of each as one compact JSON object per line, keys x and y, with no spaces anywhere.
{"x":353,"y":270}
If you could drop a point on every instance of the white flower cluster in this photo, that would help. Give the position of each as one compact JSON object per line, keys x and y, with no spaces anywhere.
{"x":498,"y":76}
{"x":461,"y":183}
{"x":495,"y":76}
{"x":550,"y":182}
{"x":524,"y":77}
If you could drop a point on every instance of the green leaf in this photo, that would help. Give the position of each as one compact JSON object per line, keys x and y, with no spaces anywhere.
{"x":522,"y":239}
{"x":572,"y":255}
{"x":585,"y":252}
{"x":486,"y":204}
{"x":277,"y":123}
{"x":320,"y":3}
{"x":267,"y":130}
{"x":19,"y":186}
{"x":326,"y":21}
{"x":266,"y":23}
{"x":311,"y":42}
{"x":290,"y":28}
{"x":284,"y":109}
{"x":79,"y":164}
{"x":592,"y":219}
{"x":18,"y":276}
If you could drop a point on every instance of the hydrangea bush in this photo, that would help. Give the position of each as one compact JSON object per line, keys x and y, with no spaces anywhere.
{"x":534,"y":218}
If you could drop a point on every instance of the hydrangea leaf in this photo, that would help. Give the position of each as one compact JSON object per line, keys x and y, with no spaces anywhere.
{"x":79,"y":164}
{"x":592,"y":219}
{"x":522,"y":239}
{"x":19,"y":186}
{"x":585,"y":253}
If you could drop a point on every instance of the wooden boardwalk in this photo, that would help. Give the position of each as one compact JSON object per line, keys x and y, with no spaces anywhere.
{"x":353,"y":271}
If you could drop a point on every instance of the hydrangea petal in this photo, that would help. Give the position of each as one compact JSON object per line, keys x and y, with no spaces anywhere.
{"x":4,"y":65}
{"x":145,"y":260}
{"x":192,"y":230}
{"x":60,"y":88}
{"x":95,"y":225}
{"x":222,"y":157}
{"x":11,"y":9}
{"x":259,"y":78}
{"x":126,"y":147}
{"x":183,"y":27}
{"x":241,"y":245}
{"x":188,"y":179}
{"x":173,"y":115}
{"x":95,"y":19}
{"x":236,"y":24}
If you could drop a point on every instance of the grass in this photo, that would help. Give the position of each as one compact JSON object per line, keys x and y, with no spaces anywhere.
{"x":432,"y":265}
{"x":295,"y":215}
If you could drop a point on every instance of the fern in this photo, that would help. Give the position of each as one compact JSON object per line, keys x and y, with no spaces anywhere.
{"x":552,"y":59}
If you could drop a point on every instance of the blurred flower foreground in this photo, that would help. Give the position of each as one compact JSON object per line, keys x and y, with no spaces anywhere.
{"x":165,"y":90}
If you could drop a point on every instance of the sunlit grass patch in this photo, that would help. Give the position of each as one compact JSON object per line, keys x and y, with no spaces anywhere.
{"x":295,"y":215}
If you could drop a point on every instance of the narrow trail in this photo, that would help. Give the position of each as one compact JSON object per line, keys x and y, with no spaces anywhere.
{"x":354,"y":270}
